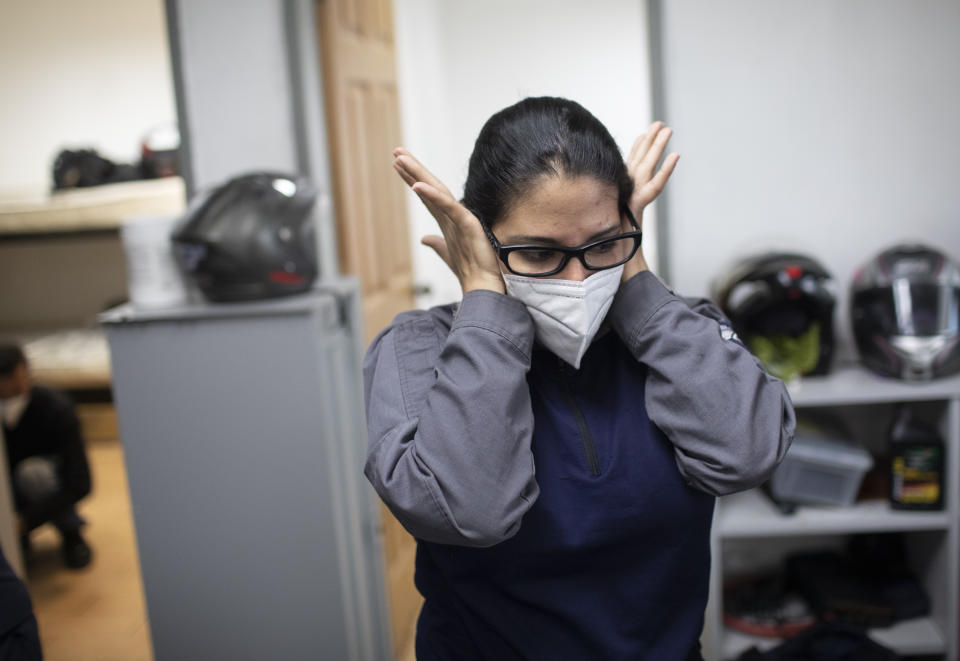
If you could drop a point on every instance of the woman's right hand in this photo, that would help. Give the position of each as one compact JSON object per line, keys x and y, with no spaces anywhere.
{"x":463,"y":246}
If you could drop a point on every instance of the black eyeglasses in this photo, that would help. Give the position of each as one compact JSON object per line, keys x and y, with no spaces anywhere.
{"x":534,"y":260}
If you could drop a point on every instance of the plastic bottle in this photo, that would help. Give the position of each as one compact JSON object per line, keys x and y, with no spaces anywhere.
{"x":916,"y":463}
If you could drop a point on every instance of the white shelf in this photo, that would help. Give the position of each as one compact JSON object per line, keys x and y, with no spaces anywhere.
{"x":853,"y":384}
{"x":918,"y":636}
{"x":753,"y":518}
{"x":95,"y":208}
{"x":751,"y":514}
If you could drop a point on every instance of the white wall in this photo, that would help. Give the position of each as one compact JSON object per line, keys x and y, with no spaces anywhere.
{"x":830,"y":128}
{"x":459,"y":61}
{"x":93,"y":73}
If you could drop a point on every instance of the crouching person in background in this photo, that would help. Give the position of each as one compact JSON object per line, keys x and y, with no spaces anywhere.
{"x":48,"y":464}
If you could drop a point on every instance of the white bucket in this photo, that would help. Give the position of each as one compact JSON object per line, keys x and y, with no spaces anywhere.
{"x":154,"y":279}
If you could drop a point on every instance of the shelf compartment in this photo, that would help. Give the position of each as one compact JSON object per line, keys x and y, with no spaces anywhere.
{"x":751,"y":514}
{"x":919,"y":636}
{"x":853,"y":384}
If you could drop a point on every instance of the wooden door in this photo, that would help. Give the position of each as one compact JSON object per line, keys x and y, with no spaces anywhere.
{"x":360,"y":90}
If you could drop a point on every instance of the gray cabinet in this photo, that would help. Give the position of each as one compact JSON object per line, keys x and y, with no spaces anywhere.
{"x":244,"y":439}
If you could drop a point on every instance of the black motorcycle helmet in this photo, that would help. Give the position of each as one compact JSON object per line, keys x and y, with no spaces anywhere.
{"x":250,"y":238}
{"x":781,"y":305}
{"x":905,"y":309}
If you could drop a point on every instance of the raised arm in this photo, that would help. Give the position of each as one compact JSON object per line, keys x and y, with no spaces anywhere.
{"x":450,"y":421}
{"x":448,"y":407}
{"x":730,"y":422}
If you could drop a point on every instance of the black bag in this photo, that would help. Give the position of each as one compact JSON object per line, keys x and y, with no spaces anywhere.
{"x":85,"y":167}
{"x":868,"y":586}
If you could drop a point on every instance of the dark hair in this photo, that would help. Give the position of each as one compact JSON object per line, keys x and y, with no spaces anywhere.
{"x":10,"y":356}
{"x":535,"y":137}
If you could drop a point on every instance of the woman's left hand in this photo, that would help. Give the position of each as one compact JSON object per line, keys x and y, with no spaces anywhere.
{"x":647,"y":184}
{"x":644,"y":156}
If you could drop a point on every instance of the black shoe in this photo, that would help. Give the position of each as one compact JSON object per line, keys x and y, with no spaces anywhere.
{"x":76,"y":552}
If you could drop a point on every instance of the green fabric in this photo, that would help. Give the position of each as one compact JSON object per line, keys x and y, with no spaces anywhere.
{"x":786,"y":356}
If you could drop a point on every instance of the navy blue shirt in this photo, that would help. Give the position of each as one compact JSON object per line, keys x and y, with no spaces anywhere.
{"x":15,"y":606}
{"x":613,"y":559}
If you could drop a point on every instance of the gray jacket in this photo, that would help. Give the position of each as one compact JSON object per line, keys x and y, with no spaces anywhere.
{"x":450,"y":420}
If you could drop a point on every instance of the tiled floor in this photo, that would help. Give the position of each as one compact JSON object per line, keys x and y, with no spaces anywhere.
{"x":97,"y":613}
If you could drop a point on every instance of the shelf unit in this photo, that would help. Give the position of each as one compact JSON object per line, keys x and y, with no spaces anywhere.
{"x":750,"y":533}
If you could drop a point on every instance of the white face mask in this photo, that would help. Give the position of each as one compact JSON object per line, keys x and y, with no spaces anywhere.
{"x":567,"y":314}
{"x":13,"y":408}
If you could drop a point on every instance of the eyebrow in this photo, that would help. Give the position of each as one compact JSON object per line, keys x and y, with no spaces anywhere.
{"x":549,"y":241}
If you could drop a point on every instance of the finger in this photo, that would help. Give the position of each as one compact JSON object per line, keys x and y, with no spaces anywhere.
{"x":439,"y":246}
{"x":649,"y":191}
{"x":660,"y":179}
{"x":645,"y":141}
{"x":437,"y":214}
{"x":416,"y":169}
{"x":406,"y":165}
{"x":652,"y":189}
{"x":406,"y":176}
{"x":442,"y":220}
{"x":635,"y":148}
{"x":448,"y":206}
{"x":656,"y":149}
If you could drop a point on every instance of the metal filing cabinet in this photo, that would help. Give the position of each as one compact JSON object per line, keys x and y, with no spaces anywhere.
{"x":243,"y":433}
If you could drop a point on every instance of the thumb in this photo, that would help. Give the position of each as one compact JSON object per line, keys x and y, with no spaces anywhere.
{"x":439,"y":246}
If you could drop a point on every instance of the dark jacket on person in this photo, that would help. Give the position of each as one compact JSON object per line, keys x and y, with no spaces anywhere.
{"x":49,"y":428}
{"x":19,"y":639}
{"x":561,"y":513}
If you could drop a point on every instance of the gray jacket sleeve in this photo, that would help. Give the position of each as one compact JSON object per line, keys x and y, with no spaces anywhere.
{"x":450,"y":421}
{"x":730,"y":422}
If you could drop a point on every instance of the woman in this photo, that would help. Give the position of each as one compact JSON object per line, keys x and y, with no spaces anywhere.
{"x":556,"y":440}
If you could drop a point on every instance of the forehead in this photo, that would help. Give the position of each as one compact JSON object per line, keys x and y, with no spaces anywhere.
{"x":568,"y":210}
